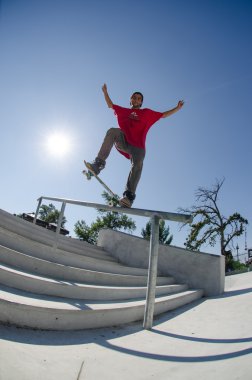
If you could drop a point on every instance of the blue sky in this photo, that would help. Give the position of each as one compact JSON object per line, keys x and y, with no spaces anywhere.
{"x":56,"y":55}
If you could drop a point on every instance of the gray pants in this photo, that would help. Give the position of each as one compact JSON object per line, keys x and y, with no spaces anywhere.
{"x":115,"y":136}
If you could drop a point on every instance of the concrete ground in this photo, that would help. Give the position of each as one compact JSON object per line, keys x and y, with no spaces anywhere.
{"x":211,"y":339}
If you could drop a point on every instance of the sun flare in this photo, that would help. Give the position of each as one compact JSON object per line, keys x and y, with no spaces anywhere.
{"x":58,"y":144}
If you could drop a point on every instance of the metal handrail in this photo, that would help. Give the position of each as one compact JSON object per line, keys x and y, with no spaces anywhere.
{"x":155,"y":217}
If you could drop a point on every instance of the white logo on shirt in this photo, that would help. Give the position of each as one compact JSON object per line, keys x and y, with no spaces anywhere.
{"x":134,"y":116}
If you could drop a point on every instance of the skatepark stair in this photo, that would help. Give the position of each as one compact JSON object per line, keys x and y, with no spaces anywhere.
{"x":74,"y":285}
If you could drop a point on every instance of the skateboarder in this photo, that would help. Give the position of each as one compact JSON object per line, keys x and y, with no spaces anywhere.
{"x":129,"y":139}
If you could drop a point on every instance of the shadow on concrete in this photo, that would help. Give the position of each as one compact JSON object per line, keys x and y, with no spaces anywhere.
{"x":178,"y":359}
{"x":202,"y":340}
{"x":55,"y":338}
{"x":81,"y":305}
{"x":233,"y":293}
{"x":104,"y":337}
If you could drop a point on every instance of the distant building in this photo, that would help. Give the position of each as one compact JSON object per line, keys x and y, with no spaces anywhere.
{"x":50,"y":226}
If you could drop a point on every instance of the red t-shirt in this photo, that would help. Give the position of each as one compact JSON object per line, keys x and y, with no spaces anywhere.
{"x":135,"y":123}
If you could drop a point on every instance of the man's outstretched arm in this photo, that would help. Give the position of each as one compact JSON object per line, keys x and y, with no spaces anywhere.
{"x":106,"y":96}
{"x":173,"y":110}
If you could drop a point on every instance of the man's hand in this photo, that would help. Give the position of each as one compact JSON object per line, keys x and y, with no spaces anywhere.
{"x":104,"y":88}
{"x":180,"y":104}
{"x":173,"y":110}
{"x":106,"y":96}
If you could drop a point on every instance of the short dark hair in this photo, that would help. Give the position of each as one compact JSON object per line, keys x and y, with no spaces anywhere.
{"x":138,"y":93}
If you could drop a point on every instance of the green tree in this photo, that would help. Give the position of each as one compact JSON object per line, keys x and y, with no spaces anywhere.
{"x":84,"y":232}
{"x":209,"y":226}
{"x":164,"y":232}
{"x":50,"y":214}
{"x":106,"y":219}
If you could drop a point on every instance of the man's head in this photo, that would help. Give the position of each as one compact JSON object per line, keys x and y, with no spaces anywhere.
{"x":136,"y":100}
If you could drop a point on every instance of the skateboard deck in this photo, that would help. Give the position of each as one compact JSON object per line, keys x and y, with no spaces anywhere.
{"x":90,"y":173}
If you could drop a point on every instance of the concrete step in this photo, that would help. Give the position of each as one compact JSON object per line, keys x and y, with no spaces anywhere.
{"x":49,"y":286}
{"x":39,"y":234}
{"x":61,"y":272}
{"x":17,"y":242}
{"x":53,"y":313}
{"x":73,"y":286}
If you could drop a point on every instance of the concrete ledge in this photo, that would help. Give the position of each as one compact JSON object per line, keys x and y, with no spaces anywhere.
{"x":199,"y":270}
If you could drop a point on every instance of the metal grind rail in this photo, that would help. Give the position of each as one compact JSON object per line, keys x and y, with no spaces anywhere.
{"x":154,"y":216}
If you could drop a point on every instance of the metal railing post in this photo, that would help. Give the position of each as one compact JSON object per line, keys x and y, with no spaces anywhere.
{"x":152,"y":273}
{"x":61,"y":215}
{"x":37,"y":211}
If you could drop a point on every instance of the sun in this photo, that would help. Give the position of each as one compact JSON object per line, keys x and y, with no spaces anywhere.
{"x":58,"y":144}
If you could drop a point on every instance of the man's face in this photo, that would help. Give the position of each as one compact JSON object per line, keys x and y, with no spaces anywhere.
{"x":136,"y":101}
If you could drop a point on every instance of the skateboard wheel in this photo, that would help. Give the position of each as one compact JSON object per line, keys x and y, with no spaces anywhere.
{"x":87,"y":174}
{"x":111,"y":203}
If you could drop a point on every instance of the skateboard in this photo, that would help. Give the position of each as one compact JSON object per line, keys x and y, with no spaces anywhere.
{"x":89,"y":174}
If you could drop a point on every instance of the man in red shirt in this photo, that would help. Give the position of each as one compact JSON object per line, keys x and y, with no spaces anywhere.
{"x":129,"y":139}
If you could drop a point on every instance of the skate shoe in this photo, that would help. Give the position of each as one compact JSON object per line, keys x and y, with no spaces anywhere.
{"x":96,"y":166}
{"x":127,"y":199}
